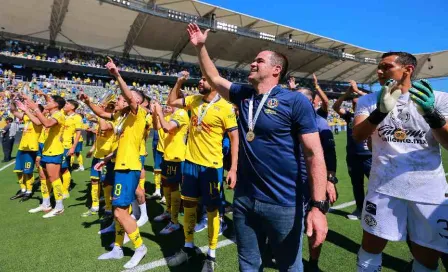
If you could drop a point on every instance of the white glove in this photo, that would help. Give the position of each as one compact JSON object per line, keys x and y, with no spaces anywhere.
{"x":388,"y":97}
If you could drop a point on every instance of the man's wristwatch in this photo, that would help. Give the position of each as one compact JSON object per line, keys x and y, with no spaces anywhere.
{"x":333,"y":179}
{"x":322,"y":205}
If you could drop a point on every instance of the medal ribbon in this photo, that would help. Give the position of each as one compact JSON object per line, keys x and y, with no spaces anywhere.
{"x":253,"y":119}
{"x":201,"y":114}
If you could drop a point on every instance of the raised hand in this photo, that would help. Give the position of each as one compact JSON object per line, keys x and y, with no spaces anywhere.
{"x":197,"y":38}
{"x":112,"y":68}
{"x":423,"y":96}
{"x":184,"y":75}
{"x":315,"y":80}
{"x":20,"y":106}
{"x":292,"y":83}
{"x":388,"y":96}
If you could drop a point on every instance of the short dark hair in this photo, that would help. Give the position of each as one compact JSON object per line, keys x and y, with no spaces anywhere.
{"x":280,"y":59}
{"x":306,"y":92}
{"x":60,"y":100}
{"x":403,"y":58}
{"x":41,"y":108}
{"x":9,"y":119}
{"x":74,"y":103}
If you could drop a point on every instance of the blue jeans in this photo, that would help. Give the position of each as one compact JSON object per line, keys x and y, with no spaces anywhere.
{"x":257,"y":221}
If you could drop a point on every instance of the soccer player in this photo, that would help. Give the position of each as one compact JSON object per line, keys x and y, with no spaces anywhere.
{"x":53,"y":152}
{"x":211,"y":117}
{"x":359,"y":157}
{"x":268,"y":201}
{"x":78,"y":149}
{"x":101,"y":148}
{"x":158,"y":159}
{"x":70,"y":138}
{"x":407,"y":192}
{"x":176,"y":129}
{"x":26,"y":154}
{"x":130,"y":130}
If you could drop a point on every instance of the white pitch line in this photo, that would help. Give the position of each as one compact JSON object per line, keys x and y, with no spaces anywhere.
{"x":8,"y":165}
{"x":223,"y":243}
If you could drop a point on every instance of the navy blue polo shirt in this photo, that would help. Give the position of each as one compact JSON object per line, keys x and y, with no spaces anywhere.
{"x":353,"y":147}
{"x":269,"y":166}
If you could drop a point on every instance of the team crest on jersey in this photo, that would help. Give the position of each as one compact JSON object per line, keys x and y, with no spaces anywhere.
{"x":272,"y":103}
{"x":370,"y":220}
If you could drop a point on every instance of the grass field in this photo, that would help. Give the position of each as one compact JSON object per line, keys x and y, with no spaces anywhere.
{"x":71,"y":243}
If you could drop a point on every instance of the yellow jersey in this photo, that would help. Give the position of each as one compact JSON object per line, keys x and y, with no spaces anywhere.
{"x":162,"y":136}
{"x":30,"y":136}
{"x":53,"y":144}
{"x":132,"y":128}
{"x":148,"y":120}
{"x":43,"y":135}
{"x":104,"y":142}
{"x":204,"y":147}
{"x":175,"y":142}
{"x":72,"y":124}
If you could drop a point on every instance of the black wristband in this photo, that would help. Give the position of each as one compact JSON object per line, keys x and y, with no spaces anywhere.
{"x":376,"y":117}
{"x":435,"y":119}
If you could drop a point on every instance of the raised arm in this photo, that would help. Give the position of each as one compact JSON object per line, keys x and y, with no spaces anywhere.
{"x":15,"y":112}
{"x":99,"y":111}
{"x":355,"y":89}
{"x":321,"y":94}
{"x":28,"y":112}
{"x":46,"y":122}
{"x":337,"y":105}
{"x":175,"y":97}
{"x":168,"y":127}
{"x":125,"y":91}
{"x":208,"y":69}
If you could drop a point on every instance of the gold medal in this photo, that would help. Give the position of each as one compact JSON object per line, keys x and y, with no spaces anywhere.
{"x":250,"y":136}
{"x":199,"y":128}
{"x":399,"y":134}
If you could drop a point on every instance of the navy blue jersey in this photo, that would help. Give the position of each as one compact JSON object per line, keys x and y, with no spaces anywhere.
{"x":352,"y":146}
{"x":269,"y":166}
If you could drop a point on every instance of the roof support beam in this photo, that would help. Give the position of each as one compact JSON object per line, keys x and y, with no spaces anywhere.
{"x":420,"y":63}
{"x":136,"y":28}
{"x":58,"y":11}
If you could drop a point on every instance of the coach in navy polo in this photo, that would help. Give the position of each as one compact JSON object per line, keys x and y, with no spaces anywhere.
{"x":268,"y":197}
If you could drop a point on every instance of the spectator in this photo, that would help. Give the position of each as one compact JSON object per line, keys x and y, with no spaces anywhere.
{"x":8,"y":134}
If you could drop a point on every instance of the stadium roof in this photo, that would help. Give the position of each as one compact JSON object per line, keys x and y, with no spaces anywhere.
{"x":120,"y":27}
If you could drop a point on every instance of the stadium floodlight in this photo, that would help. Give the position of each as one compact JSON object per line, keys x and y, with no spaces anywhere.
{"x":370,"y":60}
{"x":226,"y":27}
{"x":348,"y":56}
{"x":266,"y":36}
{"x":184,"y":17}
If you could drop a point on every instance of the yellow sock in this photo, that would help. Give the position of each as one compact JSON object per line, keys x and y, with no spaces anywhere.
{"x":29,"y":183}
{"x":72,"y":160}
{"x":80,"y":160}
{"x":57,"y":189}
{"x":108,"y":197}
{"x":167,"y":194}
{"x":94,"y":193}
{"x":175,"y":206}
{"x":189,"y":223}
{"x":44,"y":189}
{"x":157,"y":178}
{"x":49,"y":187}
{"x":66,"y":177}
{"x":119,"y":234}
{"x":141,"y":183}
{"x":136,"y":238}
{"x":21,"y":182}
{"x":213,"y":228}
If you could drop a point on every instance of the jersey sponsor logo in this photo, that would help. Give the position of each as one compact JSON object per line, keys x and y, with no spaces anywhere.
{"x":386,"y":133}
{"x":370,"y":207}
{"x":444,"y":224}
{"x":272,"y":103}
{"x":370,"y":220}
{"x":268,"y":111}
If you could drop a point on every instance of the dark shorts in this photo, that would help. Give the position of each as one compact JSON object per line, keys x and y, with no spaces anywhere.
{"x":158,"y":159}
{"x":172,"y":172}
{"x":200,"y":181}
{"x":51,"y":159}
{"x":41,"y":148}
{"x":65,"y":160}
{"x":25,"y":161}
{"x":126,"y":183}
{"x":78,"y":147}
{"x":142,"y":160}
{"x":93,"y":173}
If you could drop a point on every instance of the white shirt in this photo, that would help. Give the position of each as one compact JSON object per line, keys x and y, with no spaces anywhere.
{"x":410,"y":169}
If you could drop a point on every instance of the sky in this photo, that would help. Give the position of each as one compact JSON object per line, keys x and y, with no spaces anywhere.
{"x":413,"y":26}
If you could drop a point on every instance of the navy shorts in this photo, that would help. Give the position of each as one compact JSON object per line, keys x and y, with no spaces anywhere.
{"x":25,"y":161}
{"x":109,"y":178}
{"x":50,"y":159}
{"x":78,"y":147}
{"x":200,"y":181}
{"x":172,"y":172}
{"x":158,"y":159}
{"x":41,"y":149}
{"x":65,"y":160}
{"x":126,"y":182}
{"x":93,"y":173}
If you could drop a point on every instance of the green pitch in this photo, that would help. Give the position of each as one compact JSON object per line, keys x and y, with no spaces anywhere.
{"x":71,"y":243}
